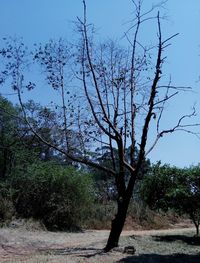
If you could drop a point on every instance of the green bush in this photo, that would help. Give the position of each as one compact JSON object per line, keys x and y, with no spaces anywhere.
{"x":171,"y":188}
{"x":101,"y":215}
{"x":58,"y":196}
{"x":7,"y":210}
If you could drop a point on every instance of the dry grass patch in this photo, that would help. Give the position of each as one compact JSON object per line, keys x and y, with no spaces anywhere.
{"x":166,"y":246}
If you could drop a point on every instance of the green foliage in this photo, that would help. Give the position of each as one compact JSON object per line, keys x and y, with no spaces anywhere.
{"x":30,"y":185}
{"x":157,"y":184}
{"x":8,"y":129}
{"x":169,"y":187}
{"x":7,"y":209}
{"x":59,"y":196}
{"x":101,"y":215}
{"x":104,"y":182}
{"x":185,"y":196}
{"x":17,"y":146}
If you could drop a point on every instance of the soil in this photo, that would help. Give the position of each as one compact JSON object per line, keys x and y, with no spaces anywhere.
{"x":152,"y":246}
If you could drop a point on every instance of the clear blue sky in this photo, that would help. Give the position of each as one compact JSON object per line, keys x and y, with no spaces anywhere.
{"x":40,"y":20}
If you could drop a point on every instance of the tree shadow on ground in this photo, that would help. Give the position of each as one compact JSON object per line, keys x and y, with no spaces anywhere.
{"x":80,"y":251}
{"x":195,"y":241}
{"x":155,"y":258}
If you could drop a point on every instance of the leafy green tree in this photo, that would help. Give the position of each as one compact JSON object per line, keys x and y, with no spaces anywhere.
{"x":18,"y":146}
{"x":173,"y":188}
{"x":185,"y":196}
{"x":156,"y":185}
{"x":9,"y":135}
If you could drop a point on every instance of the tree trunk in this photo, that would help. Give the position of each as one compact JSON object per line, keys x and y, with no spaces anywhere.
{"x":197,"y":229}
{"x":196,"y":222}
{"x":117,"y":225}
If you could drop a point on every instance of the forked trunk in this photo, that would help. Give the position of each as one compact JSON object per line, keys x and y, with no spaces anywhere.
{"x":117,"y":225}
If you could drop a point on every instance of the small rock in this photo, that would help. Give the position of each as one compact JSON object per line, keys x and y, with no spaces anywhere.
{"x":130,"y":250}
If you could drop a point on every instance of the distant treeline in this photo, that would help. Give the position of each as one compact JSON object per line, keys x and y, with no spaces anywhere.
{"x":38,"y":182}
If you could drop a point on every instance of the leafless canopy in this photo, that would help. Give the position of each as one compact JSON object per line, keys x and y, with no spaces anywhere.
{"x":120,"y":97}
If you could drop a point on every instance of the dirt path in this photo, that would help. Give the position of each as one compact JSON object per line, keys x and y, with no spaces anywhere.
{"x":39,"y":246}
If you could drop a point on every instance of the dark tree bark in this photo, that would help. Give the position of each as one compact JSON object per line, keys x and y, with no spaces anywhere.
{"x":197,"y":229}
{"x":117,"y":225}
{"x":196,"y":222}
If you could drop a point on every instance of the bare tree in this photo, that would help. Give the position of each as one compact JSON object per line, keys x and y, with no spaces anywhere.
{"x":123,"y":100}
{"x":120,"y":97}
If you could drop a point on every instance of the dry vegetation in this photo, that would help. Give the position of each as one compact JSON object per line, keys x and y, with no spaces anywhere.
{"x":154,"y":246}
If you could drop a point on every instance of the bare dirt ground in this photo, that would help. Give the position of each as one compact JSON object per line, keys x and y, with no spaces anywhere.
{"x":153,"y":246}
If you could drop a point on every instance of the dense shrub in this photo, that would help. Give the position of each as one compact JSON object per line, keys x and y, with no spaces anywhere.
{"x":169,"y":188}
{"x":101,"y":215}
{"x":58,"y":196}
{"x":7,"y":210}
